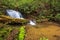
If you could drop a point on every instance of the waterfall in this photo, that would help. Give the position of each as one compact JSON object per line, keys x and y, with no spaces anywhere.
{"x":16,"y":14}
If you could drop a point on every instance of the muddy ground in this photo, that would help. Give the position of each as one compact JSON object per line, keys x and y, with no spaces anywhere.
{"x":49,"y":30}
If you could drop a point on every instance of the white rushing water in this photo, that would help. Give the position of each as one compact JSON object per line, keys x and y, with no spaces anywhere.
{"x":32,"y":22}
{"x":16,"y":14}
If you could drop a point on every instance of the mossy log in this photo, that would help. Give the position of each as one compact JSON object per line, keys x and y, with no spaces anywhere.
{"x":7,"y":19}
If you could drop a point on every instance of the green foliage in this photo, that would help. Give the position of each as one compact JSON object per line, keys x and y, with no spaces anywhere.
{"x":4,"y":32}
{"x":22,"y":33}
{"x":14,"y":3}
{"x":57,"y":16}
{"x":45,"y":8}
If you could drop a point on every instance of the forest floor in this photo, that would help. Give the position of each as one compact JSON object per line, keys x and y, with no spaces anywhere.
{"x":49,"y":30}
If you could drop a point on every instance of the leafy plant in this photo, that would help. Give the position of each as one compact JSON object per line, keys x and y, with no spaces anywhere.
{"x":4,"y":32}
{"x":58,"y":16}
{"x":22,"y":33}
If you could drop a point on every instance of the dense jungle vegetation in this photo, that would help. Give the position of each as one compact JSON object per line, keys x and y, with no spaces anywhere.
{"x":40,"y":10}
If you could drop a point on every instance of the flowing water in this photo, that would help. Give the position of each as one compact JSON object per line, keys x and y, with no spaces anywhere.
{"x":32,"y":22}
{"x":16,"y":14}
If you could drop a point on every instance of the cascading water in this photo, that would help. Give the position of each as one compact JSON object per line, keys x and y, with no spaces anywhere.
{"x":32,"y":22}
{"x":16,"y":14}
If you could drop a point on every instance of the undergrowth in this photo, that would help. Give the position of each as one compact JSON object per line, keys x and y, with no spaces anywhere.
{"x":22,"y":33}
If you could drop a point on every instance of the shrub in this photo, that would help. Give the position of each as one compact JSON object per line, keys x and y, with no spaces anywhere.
{"x":57,"y":17}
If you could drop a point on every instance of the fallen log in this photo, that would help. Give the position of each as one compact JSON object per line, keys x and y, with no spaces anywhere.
{"x":7,"y":19}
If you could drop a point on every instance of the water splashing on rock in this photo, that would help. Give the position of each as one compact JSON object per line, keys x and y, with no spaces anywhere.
{"x":16,"y":14}
{"x":32,"y":22}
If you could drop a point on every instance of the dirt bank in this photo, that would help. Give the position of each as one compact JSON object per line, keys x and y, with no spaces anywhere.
{"x":48,"y":29}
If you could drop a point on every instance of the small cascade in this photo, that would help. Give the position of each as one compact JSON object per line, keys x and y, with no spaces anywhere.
{"x":16,"y":14}
{"x":32,"y":22}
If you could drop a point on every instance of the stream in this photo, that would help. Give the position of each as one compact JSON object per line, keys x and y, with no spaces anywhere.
{"x":17,"y":14}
